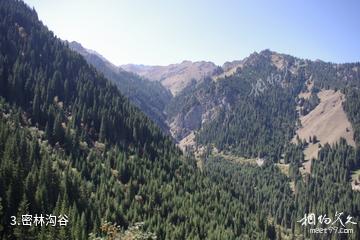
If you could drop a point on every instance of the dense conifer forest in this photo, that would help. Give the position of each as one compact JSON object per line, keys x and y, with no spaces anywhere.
{"x":72,"y":144}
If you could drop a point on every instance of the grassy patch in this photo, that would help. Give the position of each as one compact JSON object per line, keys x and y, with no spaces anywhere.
{"x":284,"y":168}
{"x":235,"y":159}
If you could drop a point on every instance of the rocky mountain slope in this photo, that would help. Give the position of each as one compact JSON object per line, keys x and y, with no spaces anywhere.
{"x":251,"y":104}
{"x":174,"y":77}
{"x":150,"y":97}
{"x":229,"y":106}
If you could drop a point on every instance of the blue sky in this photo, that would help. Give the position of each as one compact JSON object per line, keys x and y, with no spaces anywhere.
{"x":161,"y":32}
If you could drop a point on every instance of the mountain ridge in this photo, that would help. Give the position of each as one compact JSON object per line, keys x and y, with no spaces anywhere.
{"x":282,"y":67}
{"x":174,"y":77}
{"x":257,"y":76}
{"x":150,"y":97}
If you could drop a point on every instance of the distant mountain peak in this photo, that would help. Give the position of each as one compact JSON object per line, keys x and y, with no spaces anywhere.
{"x":174,"y":77}
{"x":84,"y":51}
{"x":267,"y":52}
{"x":186,"y":62}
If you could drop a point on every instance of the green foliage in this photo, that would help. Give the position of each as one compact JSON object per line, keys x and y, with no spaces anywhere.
{"x":333,"y":76}
{"x":266,"y":192}
{"x":257,"y":109}
{"x":328,"y":190}
{"x":254,"y":111}
{"x":309,"y":104}
{"x":352,"y":109}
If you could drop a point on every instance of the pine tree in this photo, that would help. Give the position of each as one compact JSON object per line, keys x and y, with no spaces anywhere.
{"x":36,"y":108}
{"x":21,"y":231}
{"x":1,"y":216}
{"x":58,"y":130}
{"x":102,"y":132}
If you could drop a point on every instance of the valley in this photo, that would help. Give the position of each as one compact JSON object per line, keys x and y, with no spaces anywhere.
{"x":313,"y":116}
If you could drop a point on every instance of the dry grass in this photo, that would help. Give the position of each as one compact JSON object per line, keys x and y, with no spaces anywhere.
{"x":175,"y":77}
{"x":236,"y":159}
{"x":328,"y":122}
{"x":284,"y":168}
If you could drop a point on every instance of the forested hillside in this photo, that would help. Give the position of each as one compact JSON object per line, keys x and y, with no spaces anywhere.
{"x":325,"y":192}
{"x":150,"y":96}
{"x":71,"y":144}
{"x":253,"y":111}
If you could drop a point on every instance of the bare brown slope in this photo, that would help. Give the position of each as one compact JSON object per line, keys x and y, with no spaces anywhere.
{"x":174,"y":77}
{"x":328,"y":122}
